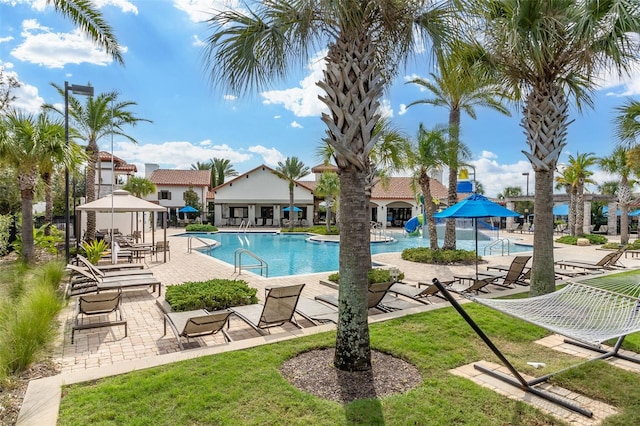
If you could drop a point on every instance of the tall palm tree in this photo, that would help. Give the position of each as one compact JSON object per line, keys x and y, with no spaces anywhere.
{"x":462,"y":85}
{"x":365,"y":41}
{"x":328,"y":187}
{"x":291,"y":170}
{"x":25,"y":142}
{"x":85,"y":15}
{"x":617,"y":163}
{"x":427,"y":157}
{"x":627,"y":123}
{"x":102,"y":116}
{"x":201,"y":166}
{"x":140,"y":187}
{"x":549,"y":51}
{"x":568,"y":180}
{"x":221,"y":168}
{"x":580,"y":165}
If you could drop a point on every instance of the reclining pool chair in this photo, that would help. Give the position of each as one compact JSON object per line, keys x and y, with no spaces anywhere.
{"x":476,"y":287}
{"x":94,"y":283}
{"x":506,"y":276}
{"x":279,"y":308}
{"x":98,"y":304}
{"x":378,"y":298}
{"x":419,"y":294}
{"x":197,"y":323}
{"x":608,"y":262}
{"x":316,"y":312}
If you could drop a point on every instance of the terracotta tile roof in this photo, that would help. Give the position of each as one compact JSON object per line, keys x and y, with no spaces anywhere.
{"x":400,"y":189}
{"x":118,"y":163}
{"x":181,"y":177}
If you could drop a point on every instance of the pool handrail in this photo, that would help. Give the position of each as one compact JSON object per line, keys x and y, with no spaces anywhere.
{"x":237,"y":262}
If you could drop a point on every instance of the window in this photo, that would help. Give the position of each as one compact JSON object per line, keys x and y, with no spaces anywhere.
{"x":164,"y":195}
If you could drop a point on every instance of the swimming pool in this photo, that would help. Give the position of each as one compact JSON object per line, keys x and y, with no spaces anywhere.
{"x":293,"y":254}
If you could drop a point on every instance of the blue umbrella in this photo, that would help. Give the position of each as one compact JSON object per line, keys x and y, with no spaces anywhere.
{"x":473,"y":207}
{"x":188,"y":209}
{"x":295,"y":209}
{"x":635,"y":213}
{"x":561,"y":210}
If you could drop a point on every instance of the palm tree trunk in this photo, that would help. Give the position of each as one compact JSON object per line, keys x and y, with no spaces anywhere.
{"x":291,"y":212}
{"x":92,"y":151}
{"x":27,"y":183}
{"x":329,"y":205}
{"x":430,"y":210}
{"x":624,"y":199}
{"x":48,"y":202}
{"x":353,"y":350}
{"x":580,"y":209}
{"x":452,"y":192}
{"x":542,"y":273}
{"x":571,"y":225}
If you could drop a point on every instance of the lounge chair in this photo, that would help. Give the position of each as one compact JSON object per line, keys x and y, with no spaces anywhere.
{"x":476,"y":287}
{"x":378,"y":298}
{"x":111,"y":272}
{"x":316,"y":312}
{"x":106,"y":268}
{"x":98,"y":304}
{"x":197,"y":323}
{"x":418,"y":294}
{"x":278,"y":309}
{"x":508,"y":276}
{"x":608,"y":262}
{"x":97,"y":284}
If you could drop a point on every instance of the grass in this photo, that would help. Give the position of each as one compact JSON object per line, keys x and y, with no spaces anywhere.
{"x":245,"y":387}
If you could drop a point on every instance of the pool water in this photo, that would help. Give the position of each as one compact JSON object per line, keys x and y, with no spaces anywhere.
{"x":292,"y":254}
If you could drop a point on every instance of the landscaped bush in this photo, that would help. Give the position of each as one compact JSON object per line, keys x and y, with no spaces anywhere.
{"x":320,"y":230}
{"x":611,"y":246}
{"x":28,"y":310}
{"x":440,"y":257}
{"x":593,"y":239}
{"x":211,"y":295}
{"x":199,"y":227}
{"x":377,"y":275}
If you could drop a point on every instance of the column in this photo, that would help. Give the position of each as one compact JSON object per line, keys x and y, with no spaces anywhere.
{"x":612,"y":218}
{"x":586,"y":223}
{"x":511,"y":225}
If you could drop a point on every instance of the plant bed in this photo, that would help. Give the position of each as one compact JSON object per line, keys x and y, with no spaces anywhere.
{"x":211,"y":295}
{"x":440,"y":257}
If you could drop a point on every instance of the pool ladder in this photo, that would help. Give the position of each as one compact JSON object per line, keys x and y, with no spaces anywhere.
{"x":238,"y":266}
{"x":246,"y":225}
{"x":501,"y":242}
{"x":211,"y":244}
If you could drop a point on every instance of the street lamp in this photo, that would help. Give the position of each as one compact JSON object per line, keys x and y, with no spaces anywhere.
{"x":76,"y":90}
{"x":527,"y":175}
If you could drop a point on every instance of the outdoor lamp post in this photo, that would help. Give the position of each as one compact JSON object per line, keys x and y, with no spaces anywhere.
{"x":76,"y":90}
{"x":527,"y":175}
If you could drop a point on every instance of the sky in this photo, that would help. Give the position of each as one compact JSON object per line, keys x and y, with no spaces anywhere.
{"x":163,"y":45}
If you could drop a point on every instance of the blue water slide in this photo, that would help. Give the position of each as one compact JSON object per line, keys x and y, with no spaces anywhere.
{"x":483,"y":224}
{"x":413,"y":224}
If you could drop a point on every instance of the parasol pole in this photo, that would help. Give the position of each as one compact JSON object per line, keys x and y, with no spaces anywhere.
{"x":475,"y":226}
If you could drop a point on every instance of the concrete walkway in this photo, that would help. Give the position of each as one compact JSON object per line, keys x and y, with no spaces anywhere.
{"x":106,"y":352}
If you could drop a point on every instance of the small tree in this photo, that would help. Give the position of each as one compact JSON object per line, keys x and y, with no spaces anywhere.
{"x":329,"y":188}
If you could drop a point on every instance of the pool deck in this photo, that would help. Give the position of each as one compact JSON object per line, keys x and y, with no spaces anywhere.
{"x":106,"y":352}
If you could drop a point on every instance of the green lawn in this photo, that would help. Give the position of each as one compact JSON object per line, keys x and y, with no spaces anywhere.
{"x":245,"y":387}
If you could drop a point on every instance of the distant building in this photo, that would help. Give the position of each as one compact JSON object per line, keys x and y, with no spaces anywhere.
{"x":111,"y":175}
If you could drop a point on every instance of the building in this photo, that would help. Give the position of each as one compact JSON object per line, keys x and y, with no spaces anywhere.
{"x":111,"y":175}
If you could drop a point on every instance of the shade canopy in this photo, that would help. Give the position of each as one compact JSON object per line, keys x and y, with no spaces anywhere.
{"x":475,"y":206}
{"x":635,"y":213}
{"x":188,"y":209}
{"x":295,"y":209}
{"x":121,"y":201}
{"x":561,"y":210}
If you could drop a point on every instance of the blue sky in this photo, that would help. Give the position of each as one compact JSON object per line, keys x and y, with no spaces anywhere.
{"x":164,"y":74}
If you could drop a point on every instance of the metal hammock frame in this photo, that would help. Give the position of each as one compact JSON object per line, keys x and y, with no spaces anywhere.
{"x":587,"y":315}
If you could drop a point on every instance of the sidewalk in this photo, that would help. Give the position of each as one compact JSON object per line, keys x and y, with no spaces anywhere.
{"x":106,"y":352}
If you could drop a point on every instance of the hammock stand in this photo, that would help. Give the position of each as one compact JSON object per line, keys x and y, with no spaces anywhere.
{"x":585,"y":340}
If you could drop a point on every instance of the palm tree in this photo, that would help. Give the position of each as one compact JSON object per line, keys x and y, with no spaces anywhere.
{"x":365,"y":40}
{"x":580,"y":165}
{"x":25,"y":142}
{"x":291,"y":170}
{"x":201,"y":166}
{"x":567,"y":179}
{"x":617,"y":163}
{"x":328,"y":187}
{"x":627,"y":125}
{"x":102,"y":116}
{"x":462,"y":85}
{"x":549,"y":51}
{"x":428,"y":157}
{"x":221,"y":168}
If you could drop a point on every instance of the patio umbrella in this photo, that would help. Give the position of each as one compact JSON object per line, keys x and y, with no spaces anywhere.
{"x":474,"y":207}
{"x":295,"y":209}
{"x":188,"y":209}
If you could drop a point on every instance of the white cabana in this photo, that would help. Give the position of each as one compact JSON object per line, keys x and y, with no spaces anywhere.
{"x":122,"y":201}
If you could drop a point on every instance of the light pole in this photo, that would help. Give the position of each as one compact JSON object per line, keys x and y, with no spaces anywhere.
{"x":76,"y":90}
{"x":527,"y":175}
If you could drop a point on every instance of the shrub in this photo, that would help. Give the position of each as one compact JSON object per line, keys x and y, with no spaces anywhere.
{"x":199,"y":227}
{"x":611,"y":246}
{"x":440,"y":257}
{"x":211,"y":295}
{"x":593,"y":239}
{"x":41,"y":240}
{"x":568,"y":239}
{"x":320,"y":230}
{"x":27,"y":321}
{"x":376,"y":275}
{"x":94,"y":250}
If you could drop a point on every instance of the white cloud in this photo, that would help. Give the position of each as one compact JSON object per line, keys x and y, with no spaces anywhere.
{"x":54,"y":50}
{"x":277,"y":117}
{"x":175,"y":154}
{"x":201,"y":10}
{"x":495,"y":176}
{"x":303,"y":100}
{"x":296,"y":125}
{"x":230,"y":97}
{"x":385,"y":109}
{"x":197,"y":42}
{"x":271,"y":156}
{"x":488,"y":155}
{"x":5,"y":39}
{"x":403,"y":109}
{"x":123,"y":5}
{"x":27,"y":97}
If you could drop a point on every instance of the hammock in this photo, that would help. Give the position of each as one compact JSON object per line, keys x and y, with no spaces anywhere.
{"x":587,"y":314}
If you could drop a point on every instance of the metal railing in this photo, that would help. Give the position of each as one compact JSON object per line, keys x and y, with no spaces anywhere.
{"x":238,"y":266}
{"x":210,"y":244}
{"x":502,"y":242}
